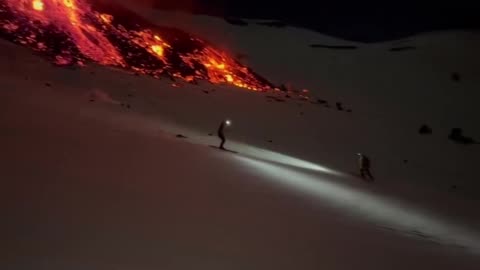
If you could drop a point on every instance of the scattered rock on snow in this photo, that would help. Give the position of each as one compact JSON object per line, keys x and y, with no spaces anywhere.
{"x":322,"y":101}
{"x":456,"y":135}
{"x":402,"y":48}
{"x":277,"y":24}
{"x":274,"y":98}
{"x":424,"y":129}
{"x":455,"y":76}
{"x":334,"y":47}
{"x":236,"y":21}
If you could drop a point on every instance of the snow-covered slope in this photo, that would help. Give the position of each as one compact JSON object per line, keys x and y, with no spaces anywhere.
{"x":94,"y":177}
{"x":391,"y":93}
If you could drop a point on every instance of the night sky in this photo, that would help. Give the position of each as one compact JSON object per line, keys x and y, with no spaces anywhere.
{"x":366,"y":21}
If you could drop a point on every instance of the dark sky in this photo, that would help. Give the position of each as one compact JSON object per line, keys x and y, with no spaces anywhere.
{"x":366,"y":21}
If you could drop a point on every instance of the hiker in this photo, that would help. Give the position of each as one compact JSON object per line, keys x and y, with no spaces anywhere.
{"x":364,"y":166}
{"x":221,"y":133}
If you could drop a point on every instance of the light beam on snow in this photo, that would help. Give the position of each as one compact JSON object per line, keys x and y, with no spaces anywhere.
{"x":372,"y":207}
{"x":278,"y":158}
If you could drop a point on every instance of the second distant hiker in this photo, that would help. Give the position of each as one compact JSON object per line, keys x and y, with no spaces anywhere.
{"x":364,"y":166}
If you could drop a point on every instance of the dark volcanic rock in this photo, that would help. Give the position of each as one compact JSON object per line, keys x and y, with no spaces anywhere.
{"x":322,"y":101}
{"x":424,"y":129}
{"x":455,"y":77}
{"x":236,"y":21}
{"x":402,"y":48}
{"x":277,"y":24}
{"x":334,"y":47}
{"x":456,"y":135}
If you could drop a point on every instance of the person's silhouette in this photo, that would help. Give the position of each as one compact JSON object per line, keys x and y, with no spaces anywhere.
{"x":364,"y":166}
{"x":221,"y":132}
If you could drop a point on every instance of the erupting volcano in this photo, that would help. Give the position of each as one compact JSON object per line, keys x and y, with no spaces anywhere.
{"x":74,"y":32}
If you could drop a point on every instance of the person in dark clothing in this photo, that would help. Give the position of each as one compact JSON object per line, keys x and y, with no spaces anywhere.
{"x":364,"y":166}
{"x":221,"y":133}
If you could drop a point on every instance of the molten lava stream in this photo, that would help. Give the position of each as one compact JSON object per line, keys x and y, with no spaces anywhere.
{"x":70,"y":32}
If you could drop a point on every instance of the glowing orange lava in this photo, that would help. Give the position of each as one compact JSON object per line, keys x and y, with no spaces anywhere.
{"x":72,"y":33}
{"x":158,"y":50}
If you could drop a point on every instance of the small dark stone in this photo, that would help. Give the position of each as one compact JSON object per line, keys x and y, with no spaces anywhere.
{"x":48,"y":84}
{"x":456,"y":135}
{"x":136,"y":74}
{"x":301,"y":113}
{"x":322,"y":101}
{"x":405,"y":161}
{"x":455,"y":76}
{"x":181,"y":136}
{"x":129,"y":95}
{"x":339,"y":106}
{"x":424,"y":129}
{"x":128,"y":106}
{"x":92,"y":72}
{"x":206,"y":92}
{"x":121,"y":104}
{"x":236,"y":21}
{"x":270,"y":141}
{"x":92,"y":100}
{"x":210,"y":134}
{"x":277,"y":24}
{"x":453,"y":187}
{"x":349,"y":110}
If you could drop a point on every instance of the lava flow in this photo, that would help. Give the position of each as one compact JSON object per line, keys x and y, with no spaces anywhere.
{"x":74,"y":32}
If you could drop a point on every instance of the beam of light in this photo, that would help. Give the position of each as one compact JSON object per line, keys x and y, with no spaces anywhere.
{"x":374,"y":208}
{"x":286,"y":160}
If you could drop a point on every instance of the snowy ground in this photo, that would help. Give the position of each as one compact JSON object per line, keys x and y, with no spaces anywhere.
{"x":101,"y":186}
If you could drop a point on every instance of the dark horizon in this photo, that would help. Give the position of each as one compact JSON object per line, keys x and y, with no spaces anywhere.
{"x":351,"y":20}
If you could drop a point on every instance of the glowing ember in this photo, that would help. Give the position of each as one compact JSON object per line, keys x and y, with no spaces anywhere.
{"x":157,"y":49}
{"x":37,"y":5}
{"x":71,"y":32}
